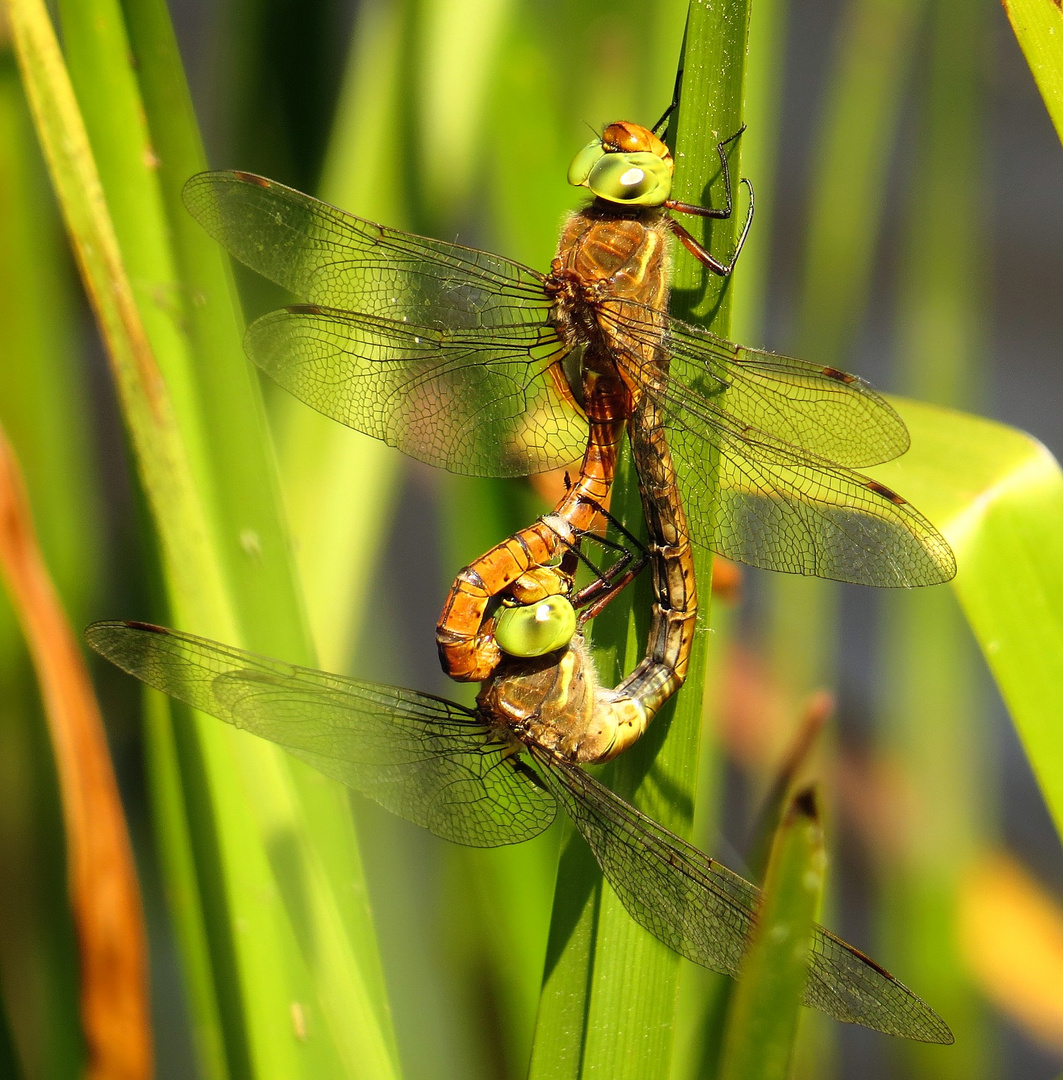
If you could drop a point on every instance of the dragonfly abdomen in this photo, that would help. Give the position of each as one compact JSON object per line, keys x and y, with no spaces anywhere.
{"x":467,"y":647}
{"x":663,"y":669}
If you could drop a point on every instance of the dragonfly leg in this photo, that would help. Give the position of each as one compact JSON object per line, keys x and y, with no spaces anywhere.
{"x":725,"y":170}
{"x":701,"y":253}
{"x":656,"y":129}
{"x":608,"y":582}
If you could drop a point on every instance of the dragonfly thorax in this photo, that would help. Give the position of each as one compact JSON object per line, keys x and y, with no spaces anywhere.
{"x":610,"y":271}
{"x":555,"y":702}
{"x":547,"y":700}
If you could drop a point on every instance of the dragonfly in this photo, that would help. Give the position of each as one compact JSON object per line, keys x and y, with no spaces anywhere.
{"x":495,"y":774}
{"x":477,"y":364}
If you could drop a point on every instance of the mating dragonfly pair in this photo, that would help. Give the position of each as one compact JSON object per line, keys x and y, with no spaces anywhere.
{"x":479,"y":365}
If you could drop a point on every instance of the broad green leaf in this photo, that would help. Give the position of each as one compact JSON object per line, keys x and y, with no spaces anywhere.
{"x":1038,"y":26}
{"x":997,"y":495}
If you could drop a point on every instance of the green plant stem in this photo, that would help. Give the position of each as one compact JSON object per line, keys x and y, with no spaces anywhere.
{"x":609,"y":993}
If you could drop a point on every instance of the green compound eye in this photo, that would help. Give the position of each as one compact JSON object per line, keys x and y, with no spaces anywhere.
{"x":536,"y":629}
{"x":640,"y":178}
{"x":637,"y":177}
{"x":584,"y":161}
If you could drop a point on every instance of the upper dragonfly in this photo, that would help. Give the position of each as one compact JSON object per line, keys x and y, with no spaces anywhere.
{"x":477,"y":364}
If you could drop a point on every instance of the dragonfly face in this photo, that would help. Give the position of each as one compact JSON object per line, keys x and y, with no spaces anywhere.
{"x":628,"y":165}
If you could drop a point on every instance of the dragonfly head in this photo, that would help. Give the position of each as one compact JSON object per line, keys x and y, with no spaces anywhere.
{"x":628,"y":164}
{"x":529,"y":630}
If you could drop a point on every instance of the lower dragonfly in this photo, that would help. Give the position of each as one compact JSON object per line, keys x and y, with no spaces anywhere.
{"x":494,"y":775}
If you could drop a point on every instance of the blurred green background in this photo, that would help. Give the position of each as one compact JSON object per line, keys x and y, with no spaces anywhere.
{"x":909,"y":228}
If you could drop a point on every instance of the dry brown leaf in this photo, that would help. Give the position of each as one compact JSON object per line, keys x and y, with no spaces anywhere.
{"x":104,"y":895}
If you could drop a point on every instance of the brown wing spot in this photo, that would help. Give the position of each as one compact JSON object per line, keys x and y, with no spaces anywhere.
{"x":867,"y":960}
{"x":886,"y":493}
{"x":304,"y":309}
{"x":251,"y":178}
{"x":151,"y":628}
{"x":841,"y":376}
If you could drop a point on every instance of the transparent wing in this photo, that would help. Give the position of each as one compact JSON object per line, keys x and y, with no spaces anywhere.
{"x":820,"y":410}
{"x":474,"y":401}
{"x":328,"y":257}
{"x":440,"y":350}
{"x":763,"y":503}
{"x":430,"y":761}
{"x":706,"y":913}
{"x":744,"y":433}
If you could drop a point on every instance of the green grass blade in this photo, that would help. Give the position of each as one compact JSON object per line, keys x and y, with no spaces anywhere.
{"x":703,"y":994}
{"x":256,"y":546}
{"x":763,"y":116}
{"x":341,"y":486}
{"x":333,"y":932}
{"x":149,"y":413}
{"x":173,"y":838}
{"x":252,"y":534}
{"x":766,"y":1004}
{"x":299,"y":958}
{"x":1038,"y":26}
{"x":862,"y":110}
{"x":165,"y":470}
{"x":609,"y":993}
{"x":997,"y":495}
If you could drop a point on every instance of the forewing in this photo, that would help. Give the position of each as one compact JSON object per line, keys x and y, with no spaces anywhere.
{"x":713,"y":382}
{"x":328,"y":257}
{"x":430,"y":761}
{"x":707,"y":913}
{"x":472,"y":401}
